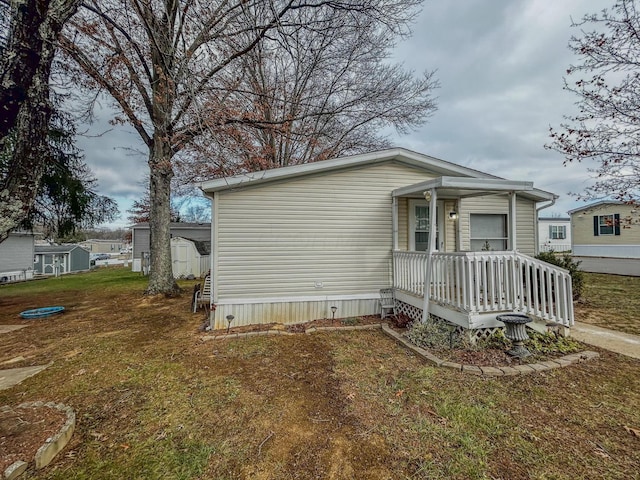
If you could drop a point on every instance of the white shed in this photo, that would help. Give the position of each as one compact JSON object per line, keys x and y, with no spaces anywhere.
{"x":190,"y":257}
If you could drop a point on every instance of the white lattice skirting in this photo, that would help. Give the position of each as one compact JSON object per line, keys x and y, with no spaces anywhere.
{"x":415,"y":314}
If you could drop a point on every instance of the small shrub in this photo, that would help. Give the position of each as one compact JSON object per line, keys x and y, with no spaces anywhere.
{"x":432,"y":334}
{"x":550,"y":343}
{"x":565,"y":261}
{"x":349,"y":322}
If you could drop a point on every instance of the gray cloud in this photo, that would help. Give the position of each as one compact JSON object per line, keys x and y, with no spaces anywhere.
{"x":117,"y":158}
{"x":501,"y":65}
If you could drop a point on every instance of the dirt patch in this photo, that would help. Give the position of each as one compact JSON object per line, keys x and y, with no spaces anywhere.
{"x":23,"y":430}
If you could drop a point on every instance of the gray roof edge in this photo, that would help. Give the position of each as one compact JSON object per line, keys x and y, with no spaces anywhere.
{"x":596,"y":204}
{"x":400,"y":154}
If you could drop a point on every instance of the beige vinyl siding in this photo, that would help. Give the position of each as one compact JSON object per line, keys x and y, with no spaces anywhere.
{"x":526,"y":226}
{"x":582,"y":226}
{"x":499,"y":204}
{"x":403,"y":224}
{"x":449,"y":226}
{"x":325,"y":234}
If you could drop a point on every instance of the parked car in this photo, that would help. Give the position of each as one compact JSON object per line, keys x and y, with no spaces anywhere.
{"x":100,"y":256}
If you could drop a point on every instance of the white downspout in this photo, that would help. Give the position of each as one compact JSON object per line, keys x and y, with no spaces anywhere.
{"x":514,"y":221}
{"x":432,"y":245}
{"x":552,"y":202}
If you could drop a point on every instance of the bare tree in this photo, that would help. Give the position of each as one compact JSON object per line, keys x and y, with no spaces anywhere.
{"x":315,"y":95}
{"x":28,"y":48}
{"x":171,"y":67}
{"x":606,"y":129}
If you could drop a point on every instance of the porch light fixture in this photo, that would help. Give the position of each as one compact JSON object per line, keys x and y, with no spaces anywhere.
{"x":334,"y":309}
{"x":453,"y":215}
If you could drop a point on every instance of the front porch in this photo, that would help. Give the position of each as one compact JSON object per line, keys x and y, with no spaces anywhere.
{"x":471,"y":231}
{"x":470,"y":288}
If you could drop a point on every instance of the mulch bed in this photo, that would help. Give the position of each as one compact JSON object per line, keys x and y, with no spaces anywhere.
{"x":487,"y":357}
{"x":23,"y":430}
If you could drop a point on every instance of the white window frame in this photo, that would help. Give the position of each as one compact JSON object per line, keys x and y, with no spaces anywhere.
{"x":505,"y":239}
{"x":558,"y":232}
{"x":606,"y":225}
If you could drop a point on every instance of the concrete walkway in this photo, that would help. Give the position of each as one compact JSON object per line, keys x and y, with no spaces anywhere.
{"x":617,"y":342}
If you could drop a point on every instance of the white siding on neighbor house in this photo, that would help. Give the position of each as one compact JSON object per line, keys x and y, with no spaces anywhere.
{"x":545,"y":240}
{"x":16,"y":252}
{"x":284,"y":239}
{"x":499,"y":204}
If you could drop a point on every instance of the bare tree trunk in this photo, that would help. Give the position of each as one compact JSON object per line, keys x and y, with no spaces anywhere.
{"x":161,"y":275}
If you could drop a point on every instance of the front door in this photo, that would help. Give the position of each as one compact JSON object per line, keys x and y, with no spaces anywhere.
{"x":419,"y":224}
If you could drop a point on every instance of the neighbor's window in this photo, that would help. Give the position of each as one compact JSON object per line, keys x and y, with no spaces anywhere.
{"x":557,"y":232}
{"x":605,"y":225}
{"x":488,"y":232}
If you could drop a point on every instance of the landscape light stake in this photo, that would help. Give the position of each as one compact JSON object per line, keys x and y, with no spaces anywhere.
{"x":229,"y":320}
{"x":333,"y":312}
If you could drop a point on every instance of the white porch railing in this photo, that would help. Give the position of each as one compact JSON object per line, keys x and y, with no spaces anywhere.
{"x":485,"y":282}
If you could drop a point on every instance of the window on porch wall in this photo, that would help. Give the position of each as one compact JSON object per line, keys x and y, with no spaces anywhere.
{"x":488,"y":232}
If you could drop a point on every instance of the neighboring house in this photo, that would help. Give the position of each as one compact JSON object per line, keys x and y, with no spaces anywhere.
{"x":290,"y":244}
{"x":60,"y":259}
{"x":606,"y":237}
{"x":140,"y":234}
{"x":16,"y":257}
{"x":112,"y":247}
{"x":190,"y":257}
{"x":554,"y":234}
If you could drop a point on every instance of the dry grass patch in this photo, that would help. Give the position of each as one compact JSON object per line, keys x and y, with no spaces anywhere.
{"x":611,"y":301}
{"x":154,"y":401}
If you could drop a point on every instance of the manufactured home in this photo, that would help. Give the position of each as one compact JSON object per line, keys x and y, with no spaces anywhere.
{"x":554,"y":234}
{"x":16,"y":257}
{"x":296,"y":243}
{"x":606,"y":237}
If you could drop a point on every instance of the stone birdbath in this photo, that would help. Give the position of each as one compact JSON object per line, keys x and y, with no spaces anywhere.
{"x":516,"y":331}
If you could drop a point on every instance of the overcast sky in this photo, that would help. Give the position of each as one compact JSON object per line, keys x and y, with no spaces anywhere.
{"x":500,"y":64}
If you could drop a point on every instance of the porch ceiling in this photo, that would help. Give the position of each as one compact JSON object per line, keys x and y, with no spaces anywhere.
{"x":461,"y":187}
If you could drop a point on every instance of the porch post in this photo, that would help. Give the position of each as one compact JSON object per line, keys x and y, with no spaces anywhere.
{"x":432,"y":246}
{"x":394,"y":221}
{"x":512,"y":227}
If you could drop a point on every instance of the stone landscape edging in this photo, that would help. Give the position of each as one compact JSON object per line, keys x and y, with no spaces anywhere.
{"x":52,"y":445}
{"x":429,"y":357}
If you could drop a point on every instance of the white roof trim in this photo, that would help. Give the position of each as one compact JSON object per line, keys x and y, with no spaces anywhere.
{"x":400,"y":154}
{"x":474,"y":186}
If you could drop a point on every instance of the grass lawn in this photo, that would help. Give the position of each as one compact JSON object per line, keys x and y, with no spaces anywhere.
{"x":153,"y":401}
{"x":611,"y":301}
